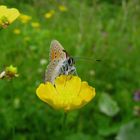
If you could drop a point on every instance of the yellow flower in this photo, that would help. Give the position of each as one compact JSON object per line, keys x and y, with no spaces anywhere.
{"x":16,"y":31}
{"x":7,"y":16}
{"x":25,"y":18}
{"x":69,"y":93}
{"x":35,"y":24}
{"x":9,"y":72}
{"x":62,"y":8}
{"x":49,"y":14}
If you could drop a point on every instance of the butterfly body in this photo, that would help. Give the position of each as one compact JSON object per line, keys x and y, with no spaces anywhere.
{"x":60,"y":63}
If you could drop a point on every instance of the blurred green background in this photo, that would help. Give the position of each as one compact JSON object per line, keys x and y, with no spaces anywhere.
{"x":95,"y":29}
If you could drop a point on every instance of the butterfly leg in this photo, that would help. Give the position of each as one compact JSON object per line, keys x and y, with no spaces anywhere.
{"x":75,"y":72}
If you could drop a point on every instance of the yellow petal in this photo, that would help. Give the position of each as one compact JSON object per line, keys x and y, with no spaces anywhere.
{"x":60,"y":83}
{"x":2,"y":10}
{"x":47,"y":93}
{"x":77,"y":103}
{"x":73,"y":85}
{"x":12,"y":14}
{"x":87,"y":92}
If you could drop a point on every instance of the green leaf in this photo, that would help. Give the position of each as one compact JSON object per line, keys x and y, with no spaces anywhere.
{"x":105,"y":125}
{"x":107,"y":105}
{"x":130,"y":131}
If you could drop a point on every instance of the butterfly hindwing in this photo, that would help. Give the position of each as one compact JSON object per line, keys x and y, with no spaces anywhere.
{"x":53,"y":70}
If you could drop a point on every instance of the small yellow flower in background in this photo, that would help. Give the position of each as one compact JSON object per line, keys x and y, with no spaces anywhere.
{"x":17,"y":31}
{"x":49,"y":14}
{"x":25,"y":18}
{"x":69,"y":93}
{"x":9,"y":72}
{"x":7,"y":16}
{"x":35,"y":24}
{"x":62,"y":8}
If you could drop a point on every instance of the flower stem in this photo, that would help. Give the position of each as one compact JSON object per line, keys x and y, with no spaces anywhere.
{"x":63,"y":126}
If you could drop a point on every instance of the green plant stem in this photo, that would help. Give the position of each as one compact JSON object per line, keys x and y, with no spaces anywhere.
{"x":63,"y":126}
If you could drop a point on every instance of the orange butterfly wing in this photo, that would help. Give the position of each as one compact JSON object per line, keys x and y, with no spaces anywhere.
{"x":57,"y":51}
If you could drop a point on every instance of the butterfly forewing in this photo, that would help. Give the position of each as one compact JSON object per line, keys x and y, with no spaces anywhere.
{"x":56,"y":51}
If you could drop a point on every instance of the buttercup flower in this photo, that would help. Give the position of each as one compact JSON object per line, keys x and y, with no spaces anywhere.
{"x":35,"y":24}
{"x":9,"y":72}
{"x":68,"y":93}
{"x":7,"y":16}
{"x":16,"y":31}
{"x":49,"y":14}
{"x":62,"y":8}
{"x":25,"y":18}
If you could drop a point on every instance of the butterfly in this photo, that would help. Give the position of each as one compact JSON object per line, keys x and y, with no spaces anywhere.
{"x":60,"y":62}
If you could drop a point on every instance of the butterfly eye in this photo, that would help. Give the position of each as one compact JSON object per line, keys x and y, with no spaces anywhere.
{"x":70,"y":61}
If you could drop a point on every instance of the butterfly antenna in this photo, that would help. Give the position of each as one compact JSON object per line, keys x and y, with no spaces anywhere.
{"x":86,"y":59}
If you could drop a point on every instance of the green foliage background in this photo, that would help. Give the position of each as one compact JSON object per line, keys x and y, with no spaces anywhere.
{"x":108,"y":30}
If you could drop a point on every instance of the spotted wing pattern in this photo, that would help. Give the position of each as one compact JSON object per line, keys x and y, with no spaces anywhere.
{"x":53,"y":70}
{"x":56,"y":51}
